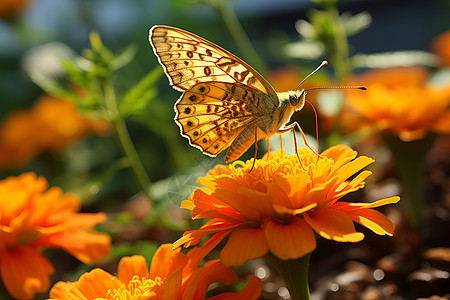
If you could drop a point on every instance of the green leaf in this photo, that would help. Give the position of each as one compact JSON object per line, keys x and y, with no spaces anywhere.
{"x":354,"y":24}
{"x":123,"y":58}
{"x":141,"y":94}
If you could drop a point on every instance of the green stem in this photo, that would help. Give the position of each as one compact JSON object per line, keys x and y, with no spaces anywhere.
{"x":238,"y":34}
{"x":340,"y":56}
{"x":294,"y":273}
{"x":410,"y":160}
{"x":124,"y":138}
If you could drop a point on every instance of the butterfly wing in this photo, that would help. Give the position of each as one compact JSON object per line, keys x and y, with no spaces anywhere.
{"x":189,"y":59}
{"x":212,"y":114}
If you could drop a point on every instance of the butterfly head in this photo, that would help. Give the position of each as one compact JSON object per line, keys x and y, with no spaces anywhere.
{"x":297,"y":99}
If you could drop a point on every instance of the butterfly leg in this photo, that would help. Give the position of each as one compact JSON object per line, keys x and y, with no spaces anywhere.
{"x":291,"y":127}
{"x":256,"y":146}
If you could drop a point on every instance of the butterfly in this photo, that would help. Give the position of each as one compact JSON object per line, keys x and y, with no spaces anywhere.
{"x":225,"y":102}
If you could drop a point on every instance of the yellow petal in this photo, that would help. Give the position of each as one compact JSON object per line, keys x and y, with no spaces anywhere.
{"x":374,"y":220}
{"x":349,"y":206}
{"x":289,"y":241}
{"x":244,"y":245}
{"x":334,"y":225}
{"x":354,"y":166}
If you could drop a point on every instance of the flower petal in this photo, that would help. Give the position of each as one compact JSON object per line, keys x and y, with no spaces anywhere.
{"x":214,"y":271}
{"x":243,"y":245}
{"x":334,"y":225}
{"x":131,"y":266}
{"x":166,"y":260}
{"x":350,"y":206}
{"x":339,"y":153}
{"x":251,"y":292}
{"x":92,"y":285}
{"x":374,"y":220}
{"x":289,"y":241}
{"x":25,"y":272}
{"x":89,"y":246}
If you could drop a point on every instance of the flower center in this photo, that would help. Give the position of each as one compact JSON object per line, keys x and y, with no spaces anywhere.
{"x":138,"y":289}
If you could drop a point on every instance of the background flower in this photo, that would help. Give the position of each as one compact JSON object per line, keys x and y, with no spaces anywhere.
{"x":441,"y":48}
{"x":50,"y":125}
{"x":278,"y":205}
{"x":399,"y":101}
{"x":172,"y":275}
{"x":34,"y":218}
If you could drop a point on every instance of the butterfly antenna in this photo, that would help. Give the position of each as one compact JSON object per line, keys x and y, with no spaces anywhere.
{"x":359,"y":87}
{"x":324,"y":63}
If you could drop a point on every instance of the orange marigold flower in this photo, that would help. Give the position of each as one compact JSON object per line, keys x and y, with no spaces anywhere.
{"x":399,"y":101}
{"x":172,"y":275}
{"x":10,"y":8}
{"x":440,"y":46}
{"x":278,"y":205}
{"x":34,"y":218}
{"x":50,"y":125}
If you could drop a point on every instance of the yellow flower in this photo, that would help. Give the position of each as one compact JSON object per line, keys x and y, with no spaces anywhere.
{"x":34,"y":218}
{"x":172,"y":275}
{"x":399,"y":101}
{"x":278,"y":206}
{"x":50,"y":125}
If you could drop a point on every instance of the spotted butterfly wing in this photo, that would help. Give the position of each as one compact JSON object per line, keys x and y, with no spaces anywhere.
{"x":224,"y":100}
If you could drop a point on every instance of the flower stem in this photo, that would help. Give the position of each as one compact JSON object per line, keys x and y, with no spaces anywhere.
{"x":294,"y":273}
{"x":410,"y":160}
{"x":238,"y":34}
{"x":124,"y":138}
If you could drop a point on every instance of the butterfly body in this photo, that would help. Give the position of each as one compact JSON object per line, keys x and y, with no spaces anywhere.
{"x":225,"y":102}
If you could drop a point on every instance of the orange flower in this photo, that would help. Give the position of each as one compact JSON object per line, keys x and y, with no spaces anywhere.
{"x":10,"y":8}
{"x":399,"y":101}
{"x":50,"y":125}
{"x":172,"y":275}
{"x":278,"y":206}
{"x":440,"y":46}
{"x":34,"y":218}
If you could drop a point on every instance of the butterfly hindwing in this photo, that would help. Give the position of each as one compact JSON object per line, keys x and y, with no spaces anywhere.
{"x":211,"y":115}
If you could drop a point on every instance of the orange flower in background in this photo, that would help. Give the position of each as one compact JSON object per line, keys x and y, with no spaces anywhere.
{"x":278,"y":206}
{"x":440,"y":46}
{"x":172,"y":275}
{"x":34,"y":218}
{"x":10,"y":8}
{"x":50,"y":125}
{"x":398,"y":101}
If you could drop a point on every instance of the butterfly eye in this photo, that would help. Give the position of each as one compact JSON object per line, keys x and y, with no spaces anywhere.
{"x":293,"y":100}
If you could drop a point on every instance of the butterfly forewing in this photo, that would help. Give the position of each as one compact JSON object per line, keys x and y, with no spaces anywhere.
{"x":189,"y":59}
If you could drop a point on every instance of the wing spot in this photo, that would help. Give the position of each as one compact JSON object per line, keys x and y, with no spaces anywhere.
{"x":187,"y":110}
{"x":208,"y":108}
{"x":190,"y":54}
{"x":193,"y":98}
{"x":208,"y":52}
{"x":196,"y":133}
{"x":207,"y":71}
{"x":201,"y":89}
{"x":216,"y":146}
{"x":204,"y":140}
